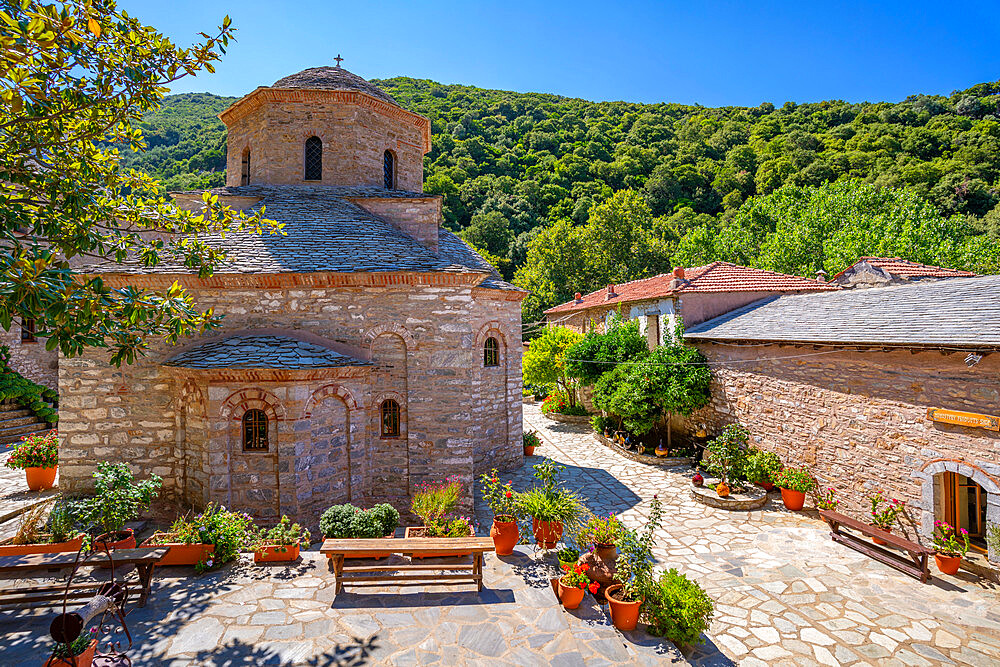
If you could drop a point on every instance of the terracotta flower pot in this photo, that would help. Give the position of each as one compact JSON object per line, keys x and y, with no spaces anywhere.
{"x":547,"y":533}
{"x":126,"y":540}
{"x":50,"y":548}
{"x":85,"y":659}
{"x":767,"y":486}
{"x":183,"y":554}
{"x":948,"y":564}
{"x":529,"y":450}
{"x":624,"y":615}
{"x":722,"y":489}
{"x":421,"y":531}
{"x":555,"y":585}
{"x":794,"y":500}
{"x":662,"y":452}
{"x":276,"y":554}
{"x":505,"y":536}
{"x":40,"y":479}
{"x":570,"y":596}
{"x":878,"y":540}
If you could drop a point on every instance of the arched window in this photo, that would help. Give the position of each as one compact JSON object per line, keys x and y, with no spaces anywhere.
{"x":389,"y":170}
{"x":254,"y":431}
{"x":314,"y":159}
{"x":491,"y":352}
{"x":245,"y":167}
{"x":390,"y":418}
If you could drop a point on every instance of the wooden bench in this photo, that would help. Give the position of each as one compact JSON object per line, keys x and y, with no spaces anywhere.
{"x":144,"y":559}
{"x":915,"y":565}
{"x":336,"y":550}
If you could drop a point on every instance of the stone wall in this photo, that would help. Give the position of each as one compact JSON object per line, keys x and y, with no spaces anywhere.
{"x":354,"y":130}
{"x":31,"y":359}
{"x":458,"y":417}
{"x":416,"y":217}
{"x":859,"y":419}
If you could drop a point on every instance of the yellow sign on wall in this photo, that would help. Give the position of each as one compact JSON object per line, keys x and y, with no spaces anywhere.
{"x":970,"y":419}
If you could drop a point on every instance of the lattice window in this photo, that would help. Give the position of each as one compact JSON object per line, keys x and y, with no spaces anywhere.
{"x":491,"y":352}
{"x":254,"y":431}
{"x":245,"y":168}
{"x":314,"y":159}
{"x":389,"y":170}
{"x":27,"y":331}
{"x":390,"y":418}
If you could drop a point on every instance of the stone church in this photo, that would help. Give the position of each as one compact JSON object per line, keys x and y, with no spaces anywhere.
{"x":365,"y":351}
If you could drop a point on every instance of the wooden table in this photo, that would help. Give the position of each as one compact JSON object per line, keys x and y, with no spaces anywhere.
{"x":915,"y":565}
{"x":411,"y":573}
{"x":144,"y":560}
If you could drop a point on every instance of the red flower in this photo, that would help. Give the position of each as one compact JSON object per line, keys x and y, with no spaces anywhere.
{"x":508,"y":494}
{"x":594,"y":587}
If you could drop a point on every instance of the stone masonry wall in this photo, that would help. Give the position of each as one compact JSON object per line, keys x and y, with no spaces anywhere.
{"x":152,"y":419}
{"x":858,"y":420}
{"x":416,"y":217}
{"x":355,"y":138}
{"x":31,"y":359}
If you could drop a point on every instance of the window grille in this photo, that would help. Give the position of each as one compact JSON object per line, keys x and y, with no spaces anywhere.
{"x":491,"y":352}
{"x":389,"y":170}
{"x":314,"y":159}
{"x":390,"y":419}
{"x":27,"y":331}
{"x":245,"y":168}
{"x":254,"y":431}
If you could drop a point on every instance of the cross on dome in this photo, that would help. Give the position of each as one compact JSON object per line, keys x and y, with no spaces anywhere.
{"x":338,"y":59}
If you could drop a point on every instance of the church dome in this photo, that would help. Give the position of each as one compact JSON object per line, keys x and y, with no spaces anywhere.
{"x":332,"y":78}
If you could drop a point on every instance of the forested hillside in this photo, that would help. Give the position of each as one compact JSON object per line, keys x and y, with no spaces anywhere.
{"x":511,"y":165}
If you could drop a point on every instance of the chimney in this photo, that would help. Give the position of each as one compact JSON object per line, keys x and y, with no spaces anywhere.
{"x":679,"y":272}
{"x":821,"y":276}
{"x":611,"y":293}
{"x":578,"y":297}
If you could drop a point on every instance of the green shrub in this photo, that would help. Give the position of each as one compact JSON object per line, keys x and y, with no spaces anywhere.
{"x":118,"y":498}
{"x":230,"y":532}
{"x":336,"y":521}
{"x":761,"y":466}
{"x":16,"y":387}
{"x":792,"y":479}
{"x":387,"y":516}
{"x":345,"y":521}
{"x":596,"y":352}
{"x":677,"y":608}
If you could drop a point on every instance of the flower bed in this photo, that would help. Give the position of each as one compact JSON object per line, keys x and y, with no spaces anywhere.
{"x":751,"y":498}
{"x":649,"y":459}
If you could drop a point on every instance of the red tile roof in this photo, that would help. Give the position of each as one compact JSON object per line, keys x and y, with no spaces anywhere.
{"x":714,"y":277}
{"x":907,"y":269}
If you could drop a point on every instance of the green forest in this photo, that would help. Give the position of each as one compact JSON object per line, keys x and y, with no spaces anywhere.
{"x":567,"y":195}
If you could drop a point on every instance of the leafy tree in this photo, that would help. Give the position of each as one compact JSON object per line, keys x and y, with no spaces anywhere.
{"x":78,"y":77}
{"x":544,"y":361}
{"x":597,"y":353}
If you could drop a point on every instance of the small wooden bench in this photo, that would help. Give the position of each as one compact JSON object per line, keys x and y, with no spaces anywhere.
{"x":144,"y":560}
{"x":336,"y":550}
{"x":915,"y":565}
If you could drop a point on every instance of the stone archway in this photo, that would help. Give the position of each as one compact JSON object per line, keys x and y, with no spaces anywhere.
{"x":930,"y":476}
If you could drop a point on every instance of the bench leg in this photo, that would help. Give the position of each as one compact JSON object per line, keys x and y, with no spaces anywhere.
{"x":477,"y":569}
{"x":145,"y":573}
{"x":338,"y":571}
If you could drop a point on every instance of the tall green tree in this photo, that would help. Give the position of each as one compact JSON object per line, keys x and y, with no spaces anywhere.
{"x":77,"y":77}
{"x":544,"y":361}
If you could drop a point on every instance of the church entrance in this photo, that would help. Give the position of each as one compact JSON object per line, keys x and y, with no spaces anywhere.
{"x":965,"y":507}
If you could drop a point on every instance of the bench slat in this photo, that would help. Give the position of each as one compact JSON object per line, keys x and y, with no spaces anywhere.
{"x":142,"y":556}
{"x":406,"y":568}
{"x":416,"y":577}
{"x":872,"y":531}
{"x":408,"y":545}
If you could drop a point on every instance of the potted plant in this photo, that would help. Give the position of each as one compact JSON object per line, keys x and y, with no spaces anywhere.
{"x":186,"y":542}
{"x":794,"y":485}
{"x":35,"y":535}
{"x":228,"y":531}
{"x":503,"y":503}
{"x":436,"y":504}
{"x":827,"y":499}
{"x":549,"y":504}
{"x":78,"y":653}
{"x":574,"y":585}
{"x":884,"y":517}
{"x":530,"y":440}
{"x":38,"y":456}
{"x":950,"y":547}
{"x":567,"y":556}
{"x":633,"y":571}
{"x":760,"y":468}
{"x":280,"y":543}
{"x":602,"y":534}
{"x":117,"y":500}
{"x":677,"y":608}
{"x":726,"y":455}
{"x":350,"y":522}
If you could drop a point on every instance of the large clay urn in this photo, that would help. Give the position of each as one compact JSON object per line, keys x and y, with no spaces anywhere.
{"x":602,"y":567}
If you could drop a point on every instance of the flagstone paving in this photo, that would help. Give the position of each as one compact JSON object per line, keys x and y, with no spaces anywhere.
{"x":785,"y":593}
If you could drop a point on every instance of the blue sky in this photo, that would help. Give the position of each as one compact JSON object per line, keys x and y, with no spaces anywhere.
{"x":712,"y":53}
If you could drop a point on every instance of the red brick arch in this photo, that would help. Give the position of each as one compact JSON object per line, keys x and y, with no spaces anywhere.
{"x":341,"y":392}
{"x":392,"y":328}
{"x":491,"y":328}
{"x":248,"y":399}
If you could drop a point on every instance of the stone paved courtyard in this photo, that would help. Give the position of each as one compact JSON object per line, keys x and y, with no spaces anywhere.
{"x":785,"y":593}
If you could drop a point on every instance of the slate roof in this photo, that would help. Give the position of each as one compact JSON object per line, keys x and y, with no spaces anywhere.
{"x":714,"y":277}
{"x":332,"y":78}
{"x":323,"y":233}
{"x":964,"y":313}
{"x":904,"y":268}
{"x":264,"y":351}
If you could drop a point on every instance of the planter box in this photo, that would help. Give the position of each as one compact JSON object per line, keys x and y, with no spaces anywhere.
{"x":51,"y":548}
{"x":182,"y":554}
{"x":568,"y":419}
{"x":420,"y":531}
{"x":276,"y":554}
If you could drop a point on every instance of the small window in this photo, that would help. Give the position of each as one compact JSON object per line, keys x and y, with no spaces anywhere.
{"x":245,"y":168}
{"x":390,"y":419}
{"x":28,"y":330}
{"x":389,"y":170}
{"x":254,"y":431}
{"x":314,"y":159}
{"x":491,"y":352}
